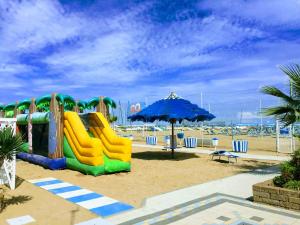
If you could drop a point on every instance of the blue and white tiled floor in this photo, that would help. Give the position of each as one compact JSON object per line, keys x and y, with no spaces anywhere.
{"x":96,"y":203}
{"x":217,"y":209}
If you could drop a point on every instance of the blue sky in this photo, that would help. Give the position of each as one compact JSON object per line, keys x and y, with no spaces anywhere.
{"x":143,"y":50}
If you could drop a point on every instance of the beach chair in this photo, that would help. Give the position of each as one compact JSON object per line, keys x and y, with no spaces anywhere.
{"x":180,"y":136}
{"x":151,"y":140}
{"x":240,"y":146}
{"x":190,"y":142}
{"x":167,"y":141}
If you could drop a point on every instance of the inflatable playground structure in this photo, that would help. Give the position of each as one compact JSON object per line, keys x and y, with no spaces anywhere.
{"x":61,"y":133}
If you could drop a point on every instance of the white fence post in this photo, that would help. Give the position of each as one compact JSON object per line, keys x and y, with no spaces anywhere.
{"x":277,"y":136}
{"x":8,"y":169}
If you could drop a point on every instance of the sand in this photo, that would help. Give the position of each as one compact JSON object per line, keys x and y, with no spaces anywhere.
{"x":153,"y":172}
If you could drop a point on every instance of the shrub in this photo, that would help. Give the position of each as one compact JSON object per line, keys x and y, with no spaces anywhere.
{"x":297,"y":173}
{"x":10,"y":144}
{"x":279,"y":181}
{"x":296,"y":158}
{"x":287,"y":171}
{"x":292,"y":184}
{"x":290,"y":173}
{"x":296,"y":162}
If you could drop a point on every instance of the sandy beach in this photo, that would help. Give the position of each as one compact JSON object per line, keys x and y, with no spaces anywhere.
{"x":153,"y":172}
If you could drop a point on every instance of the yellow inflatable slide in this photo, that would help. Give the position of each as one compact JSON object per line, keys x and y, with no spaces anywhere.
{"x":95,"y":149}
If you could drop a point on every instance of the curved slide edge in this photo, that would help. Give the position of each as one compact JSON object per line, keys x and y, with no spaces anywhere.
{"x":110,"y":165}
{"x":114,"y":165}
{"x":115,"y":147}
{"x":74,"y":164}
{"x":88,"y":150}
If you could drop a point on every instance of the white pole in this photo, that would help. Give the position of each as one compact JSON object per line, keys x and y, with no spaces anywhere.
{"x":277,"y":136}
{"x":201,"y":99}
{"x":261,"y":119}
{"x":143,"y":130}
{"x":291,"y":138}
{"x":202,"y":133}
{"x":241,"y":116}
{"x":121,"y":113}
{"x":292,"y":126}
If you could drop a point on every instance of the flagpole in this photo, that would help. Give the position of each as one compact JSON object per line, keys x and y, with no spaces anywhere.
{"x":261,"y":119}
{"x":292,"y":125}
{"x":201,"y":105}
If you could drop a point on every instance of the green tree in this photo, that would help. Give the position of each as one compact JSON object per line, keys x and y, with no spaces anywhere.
{"x":289,"y":112}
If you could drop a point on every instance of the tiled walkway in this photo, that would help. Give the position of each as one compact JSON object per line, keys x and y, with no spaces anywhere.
{"x":97,"y":203}
{"x":218,"y":209}
{"x":221,"y":201}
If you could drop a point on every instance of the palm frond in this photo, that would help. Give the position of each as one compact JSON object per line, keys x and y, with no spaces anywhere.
{"x":288,"y":119}
{"x":293,"y":72}
{"x":286,"y":114}
{"x":289,"y":112}
{"x":10,"y":144}
{"x":276,"y":111}
{"x":270,"y":90}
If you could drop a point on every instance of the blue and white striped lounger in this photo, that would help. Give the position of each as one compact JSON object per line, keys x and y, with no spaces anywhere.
{"x":151,"y":140}
{"x":97,"y":203}
{"x":240,"y":146}
{"x":190,"y":142}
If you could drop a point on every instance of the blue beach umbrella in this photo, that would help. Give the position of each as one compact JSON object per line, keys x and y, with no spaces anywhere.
{"x":172,"y":109}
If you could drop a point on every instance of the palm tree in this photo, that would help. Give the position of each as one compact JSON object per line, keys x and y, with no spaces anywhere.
{"x":289,"y":112}
{"x":10,"y":144}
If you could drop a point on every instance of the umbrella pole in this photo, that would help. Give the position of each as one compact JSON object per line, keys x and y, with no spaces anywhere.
{"x":172,"y":138}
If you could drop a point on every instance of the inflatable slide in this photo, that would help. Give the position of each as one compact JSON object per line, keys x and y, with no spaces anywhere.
{"x":95,"y":149}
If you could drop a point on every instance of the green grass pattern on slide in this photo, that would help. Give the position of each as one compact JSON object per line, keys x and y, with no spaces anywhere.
{"x":110,"y":165}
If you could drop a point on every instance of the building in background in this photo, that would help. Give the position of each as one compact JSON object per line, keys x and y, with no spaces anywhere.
{"x":135,"y":107}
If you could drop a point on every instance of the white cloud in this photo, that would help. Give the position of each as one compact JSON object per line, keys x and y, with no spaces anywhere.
{"x":247,"y":115}
{"x":14,"y":68}
{"x":275,"y":12}
{"x":30,"y":25}
{"x":136,"y":49}
{"x":124,"y":47}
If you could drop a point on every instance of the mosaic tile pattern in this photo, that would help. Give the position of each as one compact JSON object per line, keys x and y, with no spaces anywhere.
{"x":218,"y":209}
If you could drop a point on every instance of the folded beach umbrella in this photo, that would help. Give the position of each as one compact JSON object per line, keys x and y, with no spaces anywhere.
{"x":172,"y":109}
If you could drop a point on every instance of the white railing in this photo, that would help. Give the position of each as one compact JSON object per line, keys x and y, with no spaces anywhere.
{"x":8,"y":169}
